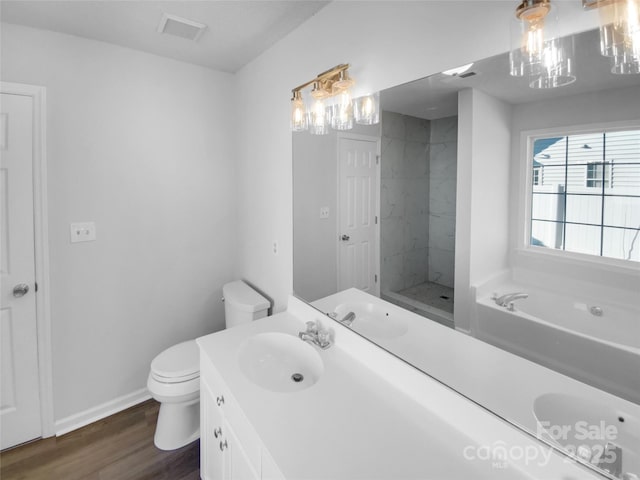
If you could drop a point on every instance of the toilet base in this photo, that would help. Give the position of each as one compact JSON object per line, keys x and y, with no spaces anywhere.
{"x":178,"y":424}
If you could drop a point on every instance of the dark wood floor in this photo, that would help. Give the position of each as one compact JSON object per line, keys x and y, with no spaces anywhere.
{"x":119,"y":447}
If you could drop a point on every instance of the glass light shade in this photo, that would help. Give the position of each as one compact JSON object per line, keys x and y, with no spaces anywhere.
{"x":342,"y":118}
{"x":367,"y":109}
{"x":557,"y":65}
{"x":620,"y":28}
{"x":531,"y":29}
{"x":625,"y":65}
{"x":298,"y":114}
{"x":319,"y":118}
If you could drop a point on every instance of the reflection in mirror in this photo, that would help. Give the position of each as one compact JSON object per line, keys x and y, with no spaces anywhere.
{"x":454,"y":208}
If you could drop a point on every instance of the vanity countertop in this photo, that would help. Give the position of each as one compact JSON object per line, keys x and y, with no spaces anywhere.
{"x":371,"y":416}
{"x":501,"y":381}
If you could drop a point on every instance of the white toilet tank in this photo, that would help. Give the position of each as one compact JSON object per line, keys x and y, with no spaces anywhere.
{"x":242,"y":304}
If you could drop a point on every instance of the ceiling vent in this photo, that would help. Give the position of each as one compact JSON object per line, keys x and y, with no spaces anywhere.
{"x":467,"y":74}
{"x":181,"y":27}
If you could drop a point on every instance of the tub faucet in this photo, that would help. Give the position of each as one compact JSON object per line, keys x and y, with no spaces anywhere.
{"x":316,"y":335}
{"x":508,"y":299}
{"x":348,"y":319}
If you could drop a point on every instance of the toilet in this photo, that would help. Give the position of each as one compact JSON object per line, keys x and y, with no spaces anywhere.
{"x":174,"y":379}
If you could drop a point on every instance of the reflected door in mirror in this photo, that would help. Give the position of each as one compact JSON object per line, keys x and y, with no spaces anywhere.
{"x":358,"y":179}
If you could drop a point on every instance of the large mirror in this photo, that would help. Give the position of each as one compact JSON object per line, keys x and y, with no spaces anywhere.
{"x":477,"y":137}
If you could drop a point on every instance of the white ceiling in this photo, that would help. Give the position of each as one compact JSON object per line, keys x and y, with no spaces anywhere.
{"x":436,"y":96}
{"x":238,"y":30}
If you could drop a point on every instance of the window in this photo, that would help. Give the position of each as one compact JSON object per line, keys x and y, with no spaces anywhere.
{"x":596,"y":175}
{"x":585,"y":194}
{"x":537,"y":174}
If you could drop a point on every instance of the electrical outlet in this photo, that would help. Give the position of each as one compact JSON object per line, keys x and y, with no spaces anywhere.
{"x":82,"y":232}
{"x":324,"y":212}
{"x":275,"y":247}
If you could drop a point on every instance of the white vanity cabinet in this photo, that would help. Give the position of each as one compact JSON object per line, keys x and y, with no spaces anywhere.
{"x":229,"y":447}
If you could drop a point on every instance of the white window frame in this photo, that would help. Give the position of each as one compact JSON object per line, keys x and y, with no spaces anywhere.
{"x":523,"y":246}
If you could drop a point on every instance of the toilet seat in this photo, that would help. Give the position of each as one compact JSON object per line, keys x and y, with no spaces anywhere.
{"x":177,"y":364}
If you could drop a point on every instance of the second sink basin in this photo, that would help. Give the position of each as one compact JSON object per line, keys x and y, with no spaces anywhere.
{"x":280,"y":362}
{"x":575,"y":422}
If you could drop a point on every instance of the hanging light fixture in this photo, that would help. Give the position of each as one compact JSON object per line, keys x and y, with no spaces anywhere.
{"x":619,"y":33}
{"x":298,"y":113}
{"x":537,"y":51}
{"x":331,"y":104}
{"x":528,"y":36}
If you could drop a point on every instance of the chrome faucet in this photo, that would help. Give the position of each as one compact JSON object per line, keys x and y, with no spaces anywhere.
{"x":316,"y":335}
{"x":348,"y":319}
{"x":507,"y":299}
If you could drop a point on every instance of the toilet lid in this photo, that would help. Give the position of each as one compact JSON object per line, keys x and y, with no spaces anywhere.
{"x":180,"y":362}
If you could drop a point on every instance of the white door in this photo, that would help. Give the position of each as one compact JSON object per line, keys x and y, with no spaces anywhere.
{"x":358,"y":185}
{"x":19,"y":382}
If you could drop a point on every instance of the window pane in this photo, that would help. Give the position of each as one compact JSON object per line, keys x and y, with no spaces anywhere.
{"x":622,"y":211}
{"x":623,"y":147}
{"x":550,"y":178}
{"x":549,"y":151}
{"x":582,"y":239}
{"x":547,"y":206}
{"x":584,"y":209}
{"x":585,"y":148}
{"x":577,"y":179}
{"x":546,"y":234}
{"x":621,"y":243}
{"x":591,"y":182}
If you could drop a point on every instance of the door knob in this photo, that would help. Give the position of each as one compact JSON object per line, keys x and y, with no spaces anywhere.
{"x":345,"y":238}
{"x":20,"y":290}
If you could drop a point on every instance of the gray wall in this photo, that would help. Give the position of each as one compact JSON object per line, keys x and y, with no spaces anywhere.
{"x":140,"y":145}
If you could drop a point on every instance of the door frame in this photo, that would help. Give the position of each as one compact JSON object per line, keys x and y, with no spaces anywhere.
{"x":377,"y":231}
{"x":41,"y":239}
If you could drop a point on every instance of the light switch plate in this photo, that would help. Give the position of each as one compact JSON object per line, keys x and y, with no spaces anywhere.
{"x":83,"y":232}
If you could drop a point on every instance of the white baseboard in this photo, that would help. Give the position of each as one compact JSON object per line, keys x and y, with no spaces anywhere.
{"x":99,"y":412}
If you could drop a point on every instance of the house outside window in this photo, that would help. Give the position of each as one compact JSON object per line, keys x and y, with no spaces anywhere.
{"x":588,"y":200}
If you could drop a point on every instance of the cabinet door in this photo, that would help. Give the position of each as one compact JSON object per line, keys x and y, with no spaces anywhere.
{"x":213,"y":457}
{"x":238,"y":466}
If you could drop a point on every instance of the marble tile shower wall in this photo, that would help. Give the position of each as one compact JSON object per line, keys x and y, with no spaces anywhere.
{"x":404,"y":201}
{"x":442,"y":200}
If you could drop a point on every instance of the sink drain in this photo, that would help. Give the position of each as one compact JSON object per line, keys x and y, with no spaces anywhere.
{"x":297,"y":377}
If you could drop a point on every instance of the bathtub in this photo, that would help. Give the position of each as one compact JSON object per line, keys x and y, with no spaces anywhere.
{"x":563,"y":334}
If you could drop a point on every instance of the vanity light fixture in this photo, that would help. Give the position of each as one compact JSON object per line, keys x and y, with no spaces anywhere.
{"x":367,"y":109}
{"x":619,"y":33}
{"x":537,"y":50}
{"x":332,"y":104}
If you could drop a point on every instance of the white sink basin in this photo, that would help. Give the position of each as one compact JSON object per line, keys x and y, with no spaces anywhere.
{"x":280,"y":362}
{"x":373,"y":321}
{"x":574,"y":422}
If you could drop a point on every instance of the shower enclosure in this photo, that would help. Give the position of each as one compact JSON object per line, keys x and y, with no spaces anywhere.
{"x":417,"y":209}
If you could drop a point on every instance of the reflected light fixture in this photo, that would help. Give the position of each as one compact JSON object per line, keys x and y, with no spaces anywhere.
{"x":298,"y":113}
{"x":537,"y":50}
{"x":367,"y":109}
{"x":332,"y":104}
{"x":619,"y":33}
